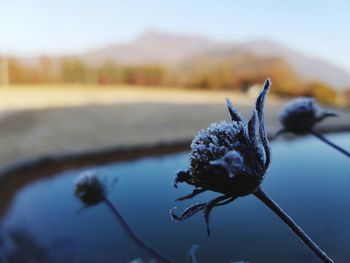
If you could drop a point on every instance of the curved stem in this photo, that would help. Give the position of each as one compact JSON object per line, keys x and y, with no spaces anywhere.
{"x":261,"y":195}
{"x":191,"y":254}
{"x":132,"y":235}
{"x":320,"y":136}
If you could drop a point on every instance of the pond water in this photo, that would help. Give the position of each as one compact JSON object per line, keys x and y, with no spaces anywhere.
{"x":310,"y":180}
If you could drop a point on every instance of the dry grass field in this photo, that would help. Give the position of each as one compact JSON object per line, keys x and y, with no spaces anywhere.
{"x":53,"y":96}
{"x":36,"y":120}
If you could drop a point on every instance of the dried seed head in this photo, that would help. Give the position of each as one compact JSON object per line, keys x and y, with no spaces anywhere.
{"x":301,"y":114}
{"x":230,"y":155}
{"x":90,"y":188}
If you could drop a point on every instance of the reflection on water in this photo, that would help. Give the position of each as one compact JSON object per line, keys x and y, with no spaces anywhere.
{"x":308,"y":179}
{"x":18,"y":245}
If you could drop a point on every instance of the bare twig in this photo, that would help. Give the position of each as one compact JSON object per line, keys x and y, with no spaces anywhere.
{"x":261,"y":195}
{"x":322,"y":138}
{"x":131,"y":233}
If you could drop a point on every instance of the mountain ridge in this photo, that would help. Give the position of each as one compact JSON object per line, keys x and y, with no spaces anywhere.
{"x":174,"y":50}
{"x":155,"y":47}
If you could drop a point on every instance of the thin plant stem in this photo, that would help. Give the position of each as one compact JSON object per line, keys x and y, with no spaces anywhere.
{"x":137,"y":240}
{"x":322,"y":138}
{"x":261,"y":195}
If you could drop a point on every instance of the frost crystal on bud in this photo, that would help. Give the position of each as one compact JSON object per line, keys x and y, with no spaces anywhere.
{"x":212,"y":144}
{"x":232,"y":162}
{"x":301,"y":114}
{"x":229,"y":157}
{"x":90,"y":188}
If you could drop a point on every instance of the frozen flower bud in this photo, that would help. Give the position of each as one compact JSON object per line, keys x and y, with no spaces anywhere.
{"x":301,"y":114}
{"x":90,"y":188}
{"x":229,"y":157}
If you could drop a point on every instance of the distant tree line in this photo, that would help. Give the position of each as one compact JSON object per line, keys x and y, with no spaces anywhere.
{"x":238,"y":72}
{"x":73,"y":70}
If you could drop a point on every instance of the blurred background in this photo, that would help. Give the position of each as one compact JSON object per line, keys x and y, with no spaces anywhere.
{"x":78,"y":75}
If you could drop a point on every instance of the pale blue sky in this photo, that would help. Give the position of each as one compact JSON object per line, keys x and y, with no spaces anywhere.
{"x":315,"y":27}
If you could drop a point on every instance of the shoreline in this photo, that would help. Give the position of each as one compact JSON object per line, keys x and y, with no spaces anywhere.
{"x":21,"y":172}
{"x":53,"y":163}
{"x":29,"y":133}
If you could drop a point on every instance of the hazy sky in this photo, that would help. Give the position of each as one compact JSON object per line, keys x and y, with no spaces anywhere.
{"x":315,"y":27}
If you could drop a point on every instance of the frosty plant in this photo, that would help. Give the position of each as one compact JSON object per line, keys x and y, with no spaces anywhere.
{"x":231,"y":158}
{"x":299,"y":117}
{"x":93,"y":189}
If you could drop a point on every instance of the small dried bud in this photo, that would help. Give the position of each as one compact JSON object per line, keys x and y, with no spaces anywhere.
{"x":90,"y":188}
{"x":301,"y":114}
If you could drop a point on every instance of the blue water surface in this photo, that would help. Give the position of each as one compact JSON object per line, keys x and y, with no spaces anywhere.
{"x":310,"y":180}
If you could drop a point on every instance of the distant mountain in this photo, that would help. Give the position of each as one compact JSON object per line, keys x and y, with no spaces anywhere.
{"x":154,"y":47}
{"x":307,"y":67}
{"x":171,"y":49}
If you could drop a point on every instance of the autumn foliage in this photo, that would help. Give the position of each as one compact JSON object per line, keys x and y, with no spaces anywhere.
{"x":227,"y":71}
